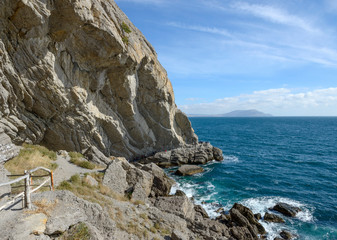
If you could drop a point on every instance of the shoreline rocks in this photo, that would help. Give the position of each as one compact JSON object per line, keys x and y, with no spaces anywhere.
{"x":269,"y":217}
{"x":189,"y":170}
{"x":286,"y":209}
{"x":199,"y":153}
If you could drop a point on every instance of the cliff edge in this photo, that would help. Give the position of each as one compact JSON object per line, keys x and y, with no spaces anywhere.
{"x":78,"y":73}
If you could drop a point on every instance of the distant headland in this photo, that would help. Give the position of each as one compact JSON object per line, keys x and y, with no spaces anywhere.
{"x":236,"y":113}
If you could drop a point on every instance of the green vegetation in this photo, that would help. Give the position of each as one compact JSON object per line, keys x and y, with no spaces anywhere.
{"x":125,"y":28}
{"x":77,"y":159}
{"x":77,"y":232}
{"x":125,"y":40}
{"x":31,"y":156}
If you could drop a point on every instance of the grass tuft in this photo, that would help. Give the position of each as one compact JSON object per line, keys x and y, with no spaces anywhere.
{"x":43,"y":206}
{"x":76,"y":158}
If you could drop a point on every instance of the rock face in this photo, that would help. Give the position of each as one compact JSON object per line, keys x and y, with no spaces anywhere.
{"x":4,"y":190}
{"x":75,"y":74}
{"x":7,"y":149}
{"x":189,"y":170}
{"x":199,"y":153}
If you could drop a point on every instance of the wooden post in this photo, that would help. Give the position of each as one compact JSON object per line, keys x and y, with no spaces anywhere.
{"x":28,"y":203}
{"x":52,"y":179}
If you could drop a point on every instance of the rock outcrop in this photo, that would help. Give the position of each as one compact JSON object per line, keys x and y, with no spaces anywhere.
{"x":286,"y":209}
{"x":137,"y":183}
{"x":78,"y":73}
{"x":7,"y":149}
{"x":200,"y":153}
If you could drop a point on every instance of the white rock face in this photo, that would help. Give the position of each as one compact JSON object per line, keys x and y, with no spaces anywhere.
{"x":75,"y":74}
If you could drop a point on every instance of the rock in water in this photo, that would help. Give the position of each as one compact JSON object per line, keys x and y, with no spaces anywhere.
{"x":286,"y":209}
{"x":189,"y":170}
{"x":269,"y":217}
{"x":76,"y":74}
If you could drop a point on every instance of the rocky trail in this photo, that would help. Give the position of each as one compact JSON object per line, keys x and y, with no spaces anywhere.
{"x":66,"y":169}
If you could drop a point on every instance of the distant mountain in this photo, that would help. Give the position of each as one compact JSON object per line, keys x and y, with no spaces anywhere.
{"x":246,"y":113}
{"x":237,"y":113}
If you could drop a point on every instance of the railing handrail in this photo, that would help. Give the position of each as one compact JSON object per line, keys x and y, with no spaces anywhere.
{"x":26,"y":194}
{"x":14,"y":181}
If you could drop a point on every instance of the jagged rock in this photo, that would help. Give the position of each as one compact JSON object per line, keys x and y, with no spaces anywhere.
{"x":162,"y":184}
{"x":286,"y":235}
{"x":248,"y":214}
{"x":242,"y":233}
{"x":7,"y":149}
{"x":178,"y":205}
{"x":140,"y":183}
{"x":200,"y":210}
{"x":180,"y":193}
{"x":177,"y":235}
{"x":115,"y":177}
{"x":269,"y":217}
{"x":96,"y":156}
{"x":189,"y":154}
{"x":72,"y":77}
{"x":258,"y":216}
{"x":124,"y":178}
{"x":189,"y":170}
{"x":286,"y":209}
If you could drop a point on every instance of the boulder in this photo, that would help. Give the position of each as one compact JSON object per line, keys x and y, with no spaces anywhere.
{"x":200,"y":210}
{"x":269,"y":217}
{"x":4,"y":190}
{"x":96,"y":156}
{"x":162,"y":184}
{"x":286,"y":209}
{"x":178,"y":205}
{"x":258,"y":216}
{"x":140,"y":183}
{"x":286,"y":235}
{"x":7,"y":149}
{"x":178,"y":235}
{"x":248,"y":214}
{"x":124,"y":178}
{"x":189,"y":170}
{"x":115,"y":177}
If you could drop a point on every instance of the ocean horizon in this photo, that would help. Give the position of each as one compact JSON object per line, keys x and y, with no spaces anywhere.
{"x":269,"y":160}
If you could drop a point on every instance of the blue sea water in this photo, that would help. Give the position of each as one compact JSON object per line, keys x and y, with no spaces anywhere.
{"x":268,"y":160}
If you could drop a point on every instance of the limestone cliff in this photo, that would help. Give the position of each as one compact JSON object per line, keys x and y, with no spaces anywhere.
{"x":76,"y":73}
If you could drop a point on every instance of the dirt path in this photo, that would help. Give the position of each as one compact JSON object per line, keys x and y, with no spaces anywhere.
{"x":66,"y":169}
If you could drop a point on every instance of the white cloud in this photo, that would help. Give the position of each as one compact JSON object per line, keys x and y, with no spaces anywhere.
{"x":275,"y":15}
{"x":279,"y":102}
{"x":212,"y":30}
{"x":155,"y":2}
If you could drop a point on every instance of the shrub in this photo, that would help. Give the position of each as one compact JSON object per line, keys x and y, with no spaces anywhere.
{"x":126,"y":28}
{"x":125,"y":40}
{"x":76,"y":158}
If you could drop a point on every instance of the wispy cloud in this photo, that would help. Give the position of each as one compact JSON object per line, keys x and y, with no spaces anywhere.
{"x":155,"y":2}
{"x":276,"y":15}
{"x":212,"y":30}
{"x":281,"y":101}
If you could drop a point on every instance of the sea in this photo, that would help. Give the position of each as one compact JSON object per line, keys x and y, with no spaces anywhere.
{"x":270,"y":160}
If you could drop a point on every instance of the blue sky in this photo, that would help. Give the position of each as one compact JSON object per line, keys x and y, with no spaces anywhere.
{"x":276,"y":56}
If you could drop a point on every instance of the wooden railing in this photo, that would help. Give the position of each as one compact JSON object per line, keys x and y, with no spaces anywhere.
{"x":26,"y":195}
